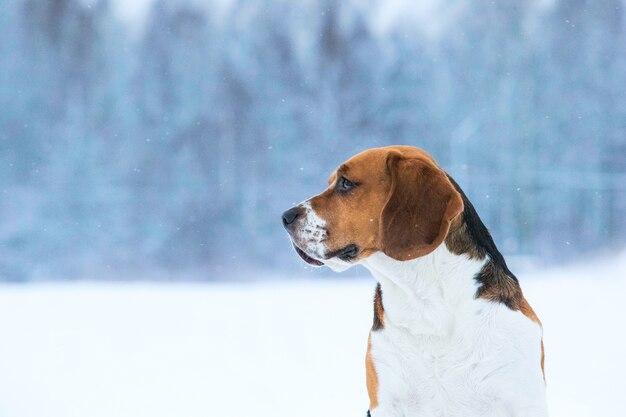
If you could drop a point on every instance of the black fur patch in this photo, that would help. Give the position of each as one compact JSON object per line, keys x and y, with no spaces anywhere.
{"x":498,"y":283}
{"x":378,"y":309}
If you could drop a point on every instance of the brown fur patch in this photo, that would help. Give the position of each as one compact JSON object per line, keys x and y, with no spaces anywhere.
{"x":371,"y":377}
{"x":543,"y":359}
{"x":528,"y":311}
{"x":498,"y":286}
{"x":421,"y":207}
{"x":379,"y":310}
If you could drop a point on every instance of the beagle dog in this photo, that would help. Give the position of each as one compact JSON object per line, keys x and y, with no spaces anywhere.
{"x":452,"y":334}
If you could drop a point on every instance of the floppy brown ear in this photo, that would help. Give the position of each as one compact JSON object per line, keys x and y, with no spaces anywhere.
{"x":422,"y":204}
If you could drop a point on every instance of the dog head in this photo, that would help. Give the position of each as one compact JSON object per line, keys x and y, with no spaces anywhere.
{"x":393,"y":199}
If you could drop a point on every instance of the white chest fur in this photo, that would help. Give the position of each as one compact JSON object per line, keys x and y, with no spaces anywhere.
{"x":444,"y":353}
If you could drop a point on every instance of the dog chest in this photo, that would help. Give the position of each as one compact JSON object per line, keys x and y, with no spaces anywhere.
{"x":487,"y":365}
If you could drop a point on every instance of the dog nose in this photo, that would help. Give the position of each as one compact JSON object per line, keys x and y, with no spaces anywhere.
{"x":290,"y":216}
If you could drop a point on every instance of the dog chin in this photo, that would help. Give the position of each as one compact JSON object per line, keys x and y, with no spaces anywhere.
{"x":337,"y":265}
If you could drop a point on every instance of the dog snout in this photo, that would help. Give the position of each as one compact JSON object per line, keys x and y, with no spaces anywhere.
{"x":290,"y":216}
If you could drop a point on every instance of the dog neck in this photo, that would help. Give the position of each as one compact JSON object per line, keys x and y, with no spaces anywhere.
{"x":425,"y":296}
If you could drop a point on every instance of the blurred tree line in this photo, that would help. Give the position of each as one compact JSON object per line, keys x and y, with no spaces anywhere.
{"x":177,"y":146}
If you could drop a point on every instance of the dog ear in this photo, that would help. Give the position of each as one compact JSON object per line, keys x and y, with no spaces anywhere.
{"x":422,"y":204}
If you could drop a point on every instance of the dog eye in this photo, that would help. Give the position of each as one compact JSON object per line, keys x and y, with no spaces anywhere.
{"x":345,"y":185}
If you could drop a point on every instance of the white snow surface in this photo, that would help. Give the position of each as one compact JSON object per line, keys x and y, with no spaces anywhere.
{"x":285,"y":348}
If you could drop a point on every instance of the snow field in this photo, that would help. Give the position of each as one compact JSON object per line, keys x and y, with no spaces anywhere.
{"x":274,"y":349}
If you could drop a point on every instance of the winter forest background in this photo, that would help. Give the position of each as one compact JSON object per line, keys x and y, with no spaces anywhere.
{"x":168,"y":136}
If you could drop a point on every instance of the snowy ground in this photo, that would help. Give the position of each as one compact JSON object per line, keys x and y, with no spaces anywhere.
{"x":276,"y":349}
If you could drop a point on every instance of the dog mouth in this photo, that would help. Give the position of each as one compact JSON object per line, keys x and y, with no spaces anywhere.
{"x":306,"y":258}
{"x":347,"y":254}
